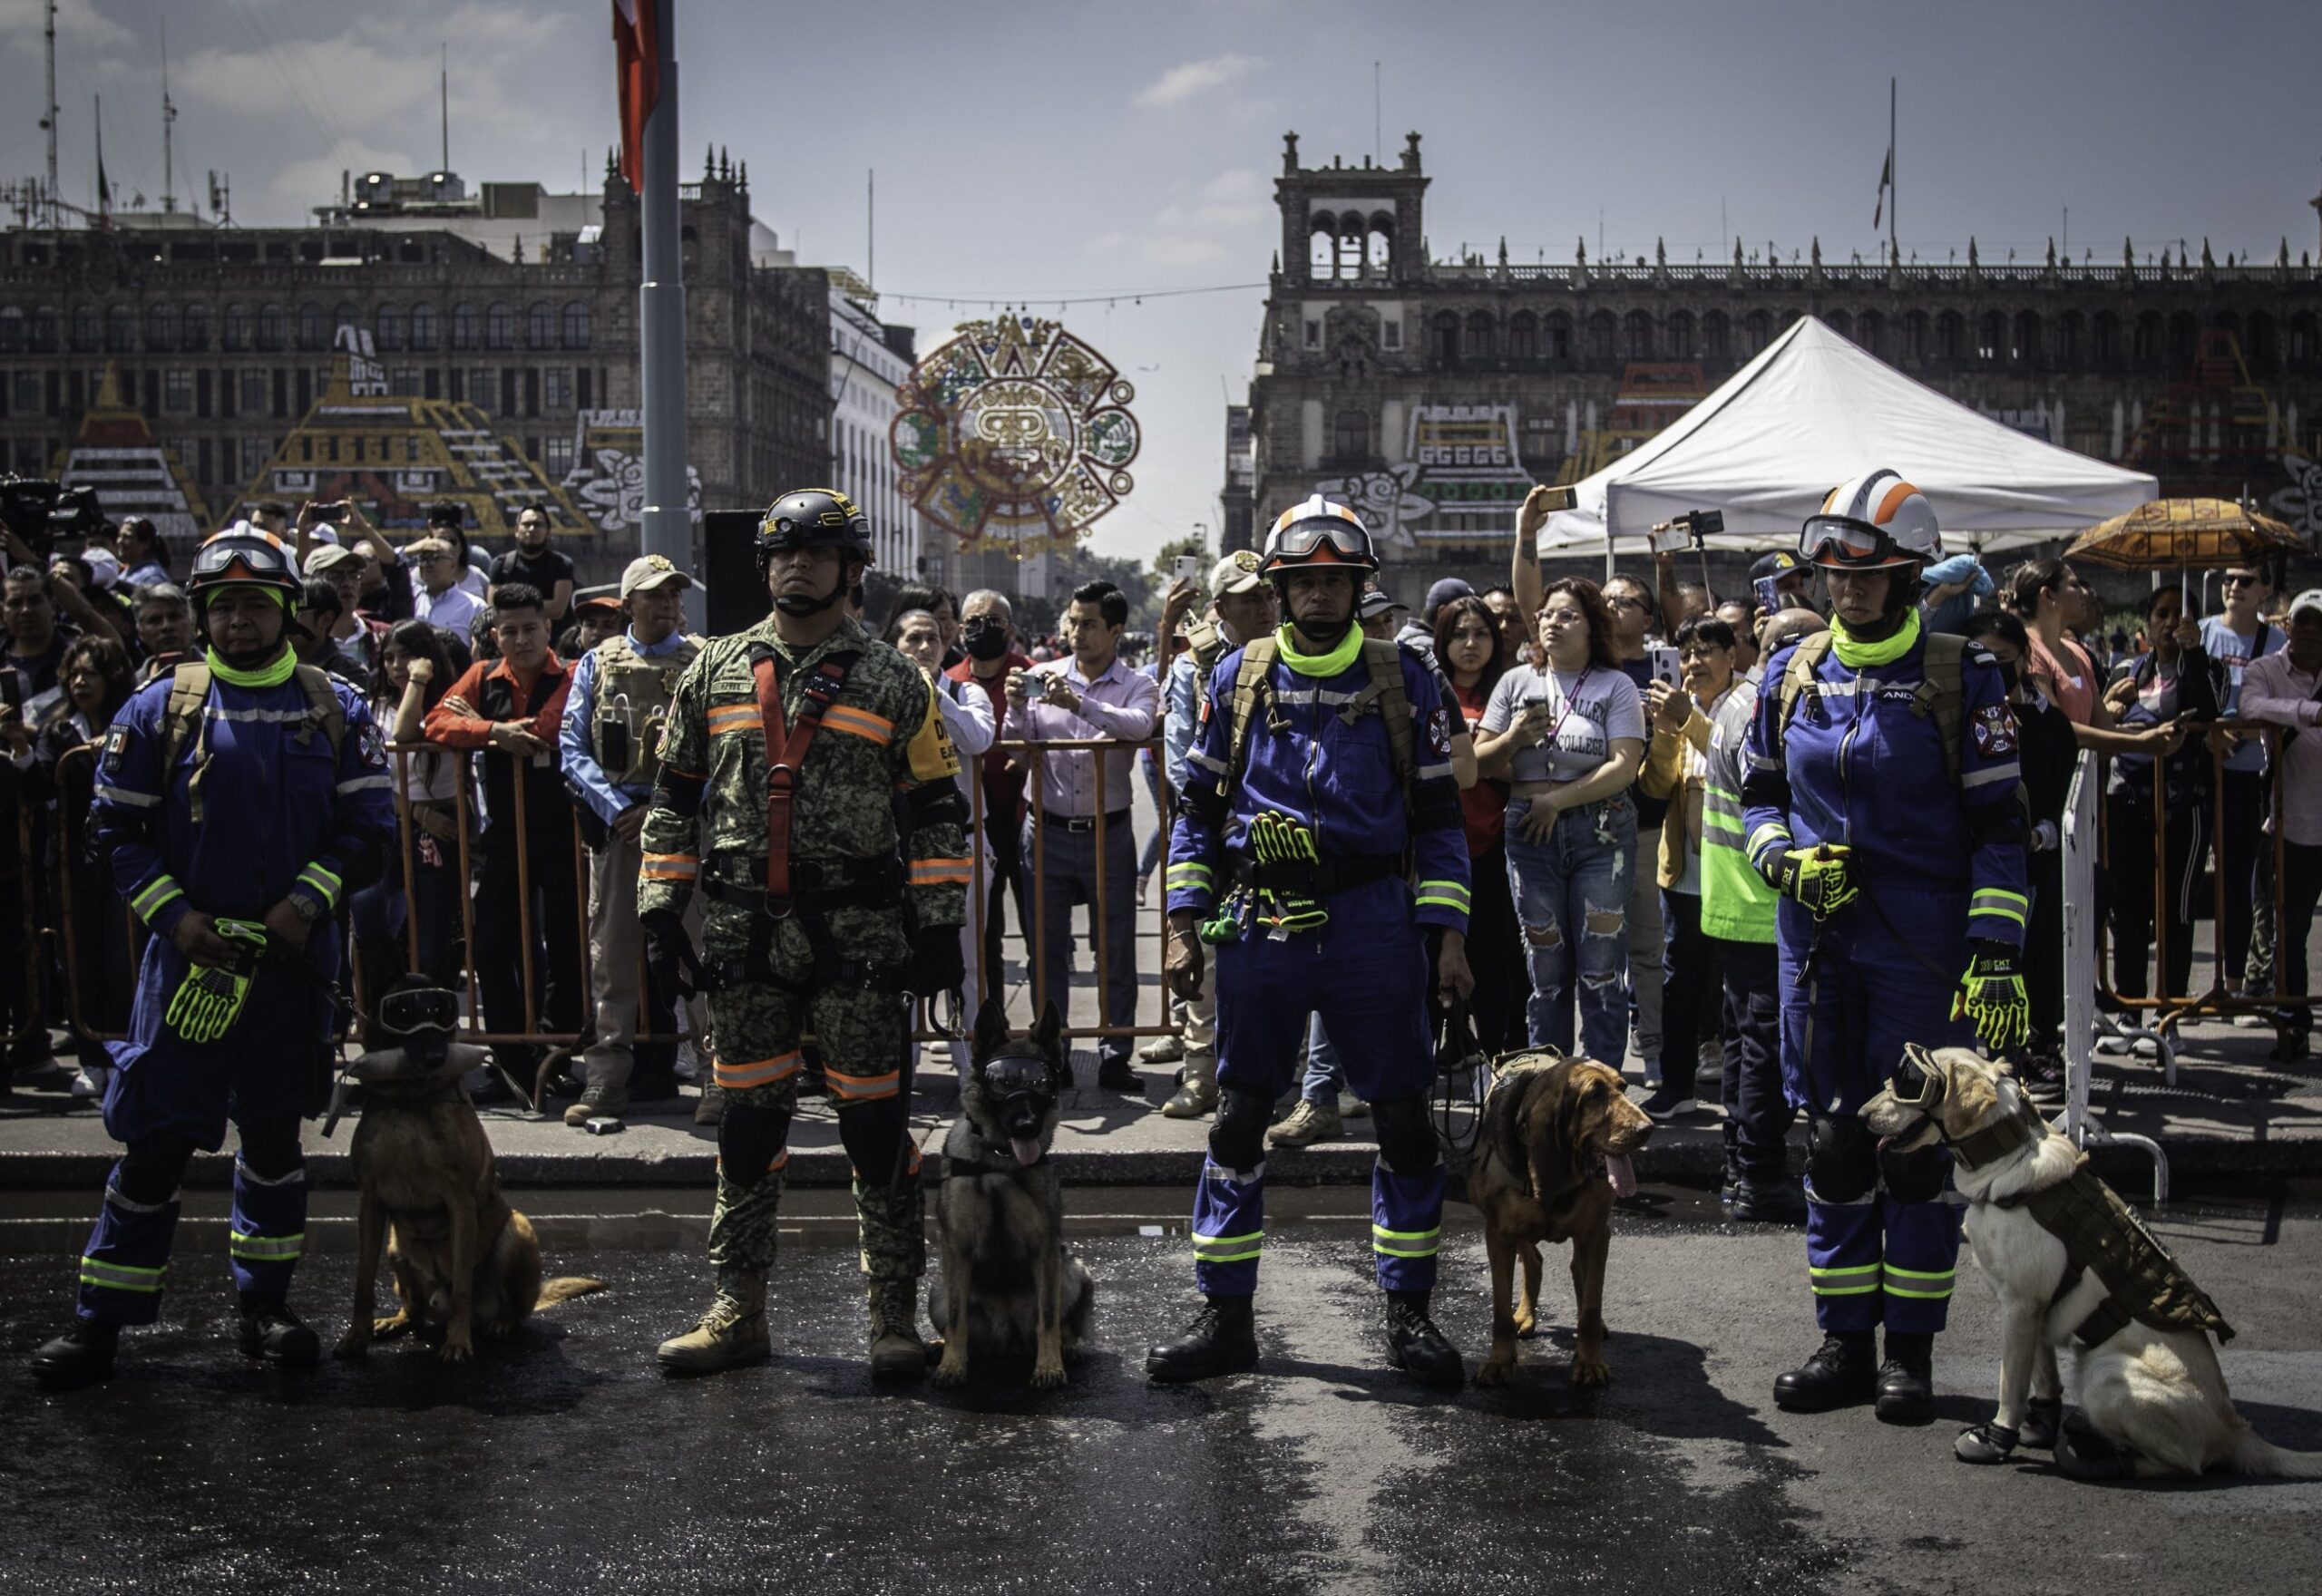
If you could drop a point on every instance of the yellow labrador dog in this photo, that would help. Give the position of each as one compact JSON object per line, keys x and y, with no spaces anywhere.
{"x":2071,"y":1263}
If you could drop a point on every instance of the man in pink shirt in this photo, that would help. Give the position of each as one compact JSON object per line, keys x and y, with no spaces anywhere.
{"x":2286,"y":688}
{"x":1091,"y":694}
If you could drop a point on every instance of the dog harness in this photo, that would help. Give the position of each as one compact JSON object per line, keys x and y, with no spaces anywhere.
{"x":2143,"y":1284}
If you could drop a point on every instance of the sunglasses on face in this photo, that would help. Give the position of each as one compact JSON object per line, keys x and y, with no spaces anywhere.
{"x":2241,"y":578}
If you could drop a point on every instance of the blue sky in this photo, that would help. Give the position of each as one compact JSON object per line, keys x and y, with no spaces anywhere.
{"x":1026,"y":149}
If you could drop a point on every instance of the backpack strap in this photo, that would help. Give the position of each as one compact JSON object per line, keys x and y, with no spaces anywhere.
{"x":324,"y":712}
{"x":1250,"y":680}
{"x":1941,"y":696}
{"x":1797,"y":680}
{"x":1384,"y":660}
{"x":183,"y":721}
{"x":785,"y":753}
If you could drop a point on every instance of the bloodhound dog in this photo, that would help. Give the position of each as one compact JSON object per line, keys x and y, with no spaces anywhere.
{"x":1551,"y":1155}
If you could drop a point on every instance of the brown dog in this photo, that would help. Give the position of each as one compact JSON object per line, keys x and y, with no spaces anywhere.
{"x":464,"y":1260}
{"x":1551,"y":1155}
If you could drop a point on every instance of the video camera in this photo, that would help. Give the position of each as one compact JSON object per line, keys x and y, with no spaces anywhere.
{"x":40,"y":511}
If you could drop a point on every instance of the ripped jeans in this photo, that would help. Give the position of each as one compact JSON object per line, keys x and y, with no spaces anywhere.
{"x":1578,"y":878}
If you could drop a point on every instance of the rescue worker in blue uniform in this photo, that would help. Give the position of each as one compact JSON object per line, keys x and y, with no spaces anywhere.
{"x":241,"y":799}
{"x":1319,"y":849}
{"x":1882,"y":800}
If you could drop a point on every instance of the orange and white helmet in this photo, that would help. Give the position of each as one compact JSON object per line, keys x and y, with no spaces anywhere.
{"x":1871,"y":521}
{"x":1318,"y":531}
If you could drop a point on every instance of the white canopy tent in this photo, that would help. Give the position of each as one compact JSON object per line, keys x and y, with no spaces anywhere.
{"x":1815,"y":409}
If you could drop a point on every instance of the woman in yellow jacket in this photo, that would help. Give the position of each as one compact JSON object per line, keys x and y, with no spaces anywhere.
{"x":1675,"y":761}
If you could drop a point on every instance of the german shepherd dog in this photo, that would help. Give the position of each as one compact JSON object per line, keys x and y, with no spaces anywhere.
{"x":1009,"y":1287}
{"x":464,"y":1260}
{"x":1552,"y":1152}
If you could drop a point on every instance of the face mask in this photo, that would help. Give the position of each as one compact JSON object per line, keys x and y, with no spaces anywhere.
{"x":984,"y":641}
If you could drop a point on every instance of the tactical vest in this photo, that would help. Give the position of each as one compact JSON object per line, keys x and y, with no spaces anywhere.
{"x":1205,"y":641}
{"x":184,"y":719}
{"x":2102,"y":1235}
{"x":630,"y":703}
{"x":1383,"y":659}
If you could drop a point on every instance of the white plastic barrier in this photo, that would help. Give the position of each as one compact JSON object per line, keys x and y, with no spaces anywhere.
{"x":2081,"y":1016}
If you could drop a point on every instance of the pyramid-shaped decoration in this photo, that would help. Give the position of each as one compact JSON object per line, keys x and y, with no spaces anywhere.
{"x":398,"y":455}
{"x":116,"y":453}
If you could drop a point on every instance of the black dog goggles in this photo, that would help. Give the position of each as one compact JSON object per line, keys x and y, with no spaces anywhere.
{"x":1918,"y":1080}
{"x":1016,"y":1074}
{"x":424,"y":1008}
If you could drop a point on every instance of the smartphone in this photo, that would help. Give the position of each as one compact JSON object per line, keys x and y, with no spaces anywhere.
{"x":1663,"y":661}
{"x":1768,"y":593}
{"x":1563,"y":498}
{"x":1187,"y":567}
{"x":1671,"y":541}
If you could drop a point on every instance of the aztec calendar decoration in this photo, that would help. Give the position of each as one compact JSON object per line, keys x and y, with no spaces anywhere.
{"x":1016,"y":434}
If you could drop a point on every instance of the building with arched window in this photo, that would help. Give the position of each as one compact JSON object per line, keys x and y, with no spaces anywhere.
{"x":1467,"y":377}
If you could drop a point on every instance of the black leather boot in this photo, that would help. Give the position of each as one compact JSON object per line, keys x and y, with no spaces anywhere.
{"x":1416,"y":1346}
{"x":1906,"y":1380}
{"x":1843,"y":1372}
{"x":271,"y":1332}
{"x":81,"y":1356}
{"x":1222,"y":1339}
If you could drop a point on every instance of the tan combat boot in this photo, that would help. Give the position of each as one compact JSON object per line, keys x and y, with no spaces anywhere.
{"x":897,"y":1353}
{"x":711,"y":1109}
{"x":731,"y":1334}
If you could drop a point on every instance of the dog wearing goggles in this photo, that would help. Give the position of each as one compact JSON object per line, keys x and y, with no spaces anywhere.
{"x":2071,"y":1263}
{"x":464,"y":1262}
{"x":1008,"y":1288}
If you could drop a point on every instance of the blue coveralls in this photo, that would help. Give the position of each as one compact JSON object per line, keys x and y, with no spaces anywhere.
{"x":1939,"y":865}
{"x":1364,"y":971}
{"x":279,"y":817}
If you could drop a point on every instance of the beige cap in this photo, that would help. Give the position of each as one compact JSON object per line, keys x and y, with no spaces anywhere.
{"x":649,"y":571}
{"x":326,"y":556}
{"x":1237,"y":573}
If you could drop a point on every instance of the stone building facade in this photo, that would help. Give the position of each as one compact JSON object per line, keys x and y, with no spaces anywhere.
{"x":1433,"y":393}
{"x":513,"y":374}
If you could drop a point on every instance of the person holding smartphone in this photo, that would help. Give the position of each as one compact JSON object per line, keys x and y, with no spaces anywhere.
{"x":1572,"y":735}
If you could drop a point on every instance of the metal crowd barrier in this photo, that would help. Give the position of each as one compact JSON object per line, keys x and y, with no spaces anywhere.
{"x":2084,"y":939}
{"x":2167,"y":1010}
{"x":466,"y":838}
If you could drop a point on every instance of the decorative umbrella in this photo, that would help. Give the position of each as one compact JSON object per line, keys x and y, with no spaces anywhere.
{"x":2185,"y":534}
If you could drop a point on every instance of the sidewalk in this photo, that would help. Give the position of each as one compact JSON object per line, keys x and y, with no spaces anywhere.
{"x":2229,"y":1114}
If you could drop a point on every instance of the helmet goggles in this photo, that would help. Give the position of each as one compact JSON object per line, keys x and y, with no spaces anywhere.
{"x":1842,"y":540}
{"x":1323,"y":540}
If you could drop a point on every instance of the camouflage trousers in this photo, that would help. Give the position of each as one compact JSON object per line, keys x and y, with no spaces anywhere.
{"x":755,"y":1028}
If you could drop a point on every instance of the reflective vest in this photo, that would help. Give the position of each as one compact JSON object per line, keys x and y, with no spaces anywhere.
{"x":630,"y":703}
{"x":1736,"y":903}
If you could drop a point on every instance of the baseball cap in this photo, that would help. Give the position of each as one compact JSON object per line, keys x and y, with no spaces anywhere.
{"x":105,"y":570}
{"x":1375,"y":601}
{"x":2310,"y":600}
{"x":589,"y":599}
{"x":1237,"y":573}
{"x":1779,"y":563}
{"x":1445,"y":590}
{"x":328,"y":557}
{"x":648,"y":571}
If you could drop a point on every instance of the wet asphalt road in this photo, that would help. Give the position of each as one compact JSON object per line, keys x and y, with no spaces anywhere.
{"x":565,"y":1462}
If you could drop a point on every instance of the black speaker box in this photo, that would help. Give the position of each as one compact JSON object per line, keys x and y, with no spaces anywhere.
{"x":732,"y":595}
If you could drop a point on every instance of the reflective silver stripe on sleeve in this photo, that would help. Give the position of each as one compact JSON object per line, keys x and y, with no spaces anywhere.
{"x":124,"y":796}
{"x":2010,"y":772}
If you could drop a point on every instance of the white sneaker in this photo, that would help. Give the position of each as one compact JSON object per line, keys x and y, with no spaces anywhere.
{"x":90,"y":1085}
{"x":690,"y":1065}
{"x":2112,"y":1047}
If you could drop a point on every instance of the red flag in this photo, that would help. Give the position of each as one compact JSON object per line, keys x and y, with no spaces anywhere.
{"x":636,"y":70}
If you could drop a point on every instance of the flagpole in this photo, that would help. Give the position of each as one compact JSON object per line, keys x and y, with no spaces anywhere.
{"x":1894,"y":250}
{"x":667,"y":519}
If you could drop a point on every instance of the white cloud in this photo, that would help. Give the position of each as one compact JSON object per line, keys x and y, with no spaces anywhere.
{"x":304,"y":184}
{"x":1181,"y":83}
{"x":79,"y":23}
{"x":1169,"y":250}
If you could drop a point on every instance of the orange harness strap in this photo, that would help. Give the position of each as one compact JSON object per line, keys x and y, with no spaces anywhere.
{"x":785,"y":756}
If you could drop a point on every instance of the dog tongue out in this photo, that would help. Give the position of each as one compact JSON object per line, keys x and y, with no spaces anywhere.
{"x":1026,"y":1150}
{"x":1618,"y":1170}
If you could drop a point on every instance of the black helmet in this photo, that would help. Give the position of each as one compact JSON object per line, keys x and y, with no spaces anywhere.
{"x":811,"y":518}
{"x":244,"y":556}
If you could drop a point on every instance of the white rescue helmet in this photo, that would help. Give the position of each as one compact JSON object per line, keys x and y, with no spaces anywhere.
{"x":1871,"y":522}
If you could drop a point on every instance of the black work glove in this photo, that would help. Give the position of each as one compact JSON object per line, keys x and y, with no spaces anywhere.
{"x":670,"y":956}
{"x":937,"y":963}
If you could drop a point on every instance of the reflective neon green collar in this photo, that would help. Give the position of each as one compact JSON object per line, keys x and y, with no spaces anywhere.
{"x":285,"y":666}
{"x":1856,"y":655}
{"x":1348,"y":649}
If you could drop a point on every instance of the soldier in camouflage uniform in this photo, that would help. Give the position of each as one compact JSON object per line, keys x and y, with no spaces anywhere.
{"x":795,"y":753}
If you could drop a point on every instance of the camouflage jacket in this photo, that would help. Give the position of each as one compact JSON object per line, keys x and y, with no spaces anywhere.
{"x":881,"y":751}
